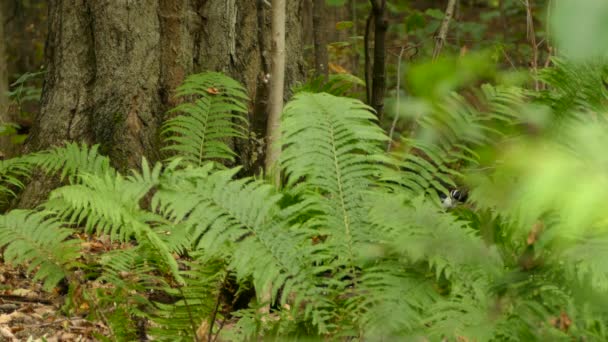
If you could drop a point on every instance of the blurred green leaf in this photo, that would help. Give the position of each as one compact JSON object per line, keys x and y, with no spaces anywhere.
{"x":438,"y":78}
{"x":414,"y":21}
{"x":581,"y":28}
{"x":335,"y":3}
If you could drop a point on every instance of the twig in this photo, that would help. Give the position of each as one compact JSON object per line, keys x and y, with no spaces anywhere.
{"x":443,"y":31}
{"x":397,"y":113}
{"x":216,"y":309}
{"x":222,"y":323}
{"x":190,"y":317}
{"x":14,"y":298}
{"x":532,"y":38}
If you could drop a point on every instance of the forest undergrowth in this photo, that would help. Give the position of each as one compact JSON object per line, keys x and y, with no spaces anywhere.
{"x":357,"y":243}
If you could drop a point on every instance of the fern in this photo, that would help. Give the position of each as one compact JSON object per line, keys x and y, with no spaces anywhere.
{"x":12,"y":174}
{"x":221,"y":212}
{"x":110,"y":204}
{"x":449,"y":136}
{"x":70,"y":160}
{"x":41,"y":243}
{"x":214,"y":114}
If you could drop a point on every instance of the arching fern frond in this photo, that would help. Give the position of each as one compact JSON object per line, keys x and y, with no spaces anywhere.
{"x":241,"y":220}
{"x":12,"y":174}
{"x":72,"y":159}
{"x":213,"y":114}
{"x":39,"y":242}
{"x":110,"y":204}
{"x":331,"y":146}
{"x":574,"y":87}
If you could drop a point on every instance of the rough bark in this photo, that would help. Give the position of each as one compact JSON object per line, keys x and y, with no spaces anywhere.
{"x":113,"y":65}
{"x":4,"y":117}
{"x":379,"y":73}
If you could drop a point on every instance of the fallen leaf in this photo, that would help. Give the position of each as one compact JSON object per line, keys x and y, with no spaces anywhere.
{"x":213,"y":91}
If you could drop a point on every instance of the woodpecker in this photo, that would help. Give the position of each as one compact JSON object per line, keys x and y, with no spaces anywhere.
{"x":455,"y":197}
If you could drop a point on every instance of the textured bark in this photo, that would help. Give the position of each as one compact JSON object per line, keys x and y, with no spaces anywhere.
{"x":379,"y":73}
{"x":3,"y":75}
{"x":113,"y":65}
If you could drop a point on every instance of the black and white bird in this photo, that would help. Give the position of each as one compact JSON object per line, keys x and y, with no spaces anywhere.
{"x":455,"y":197}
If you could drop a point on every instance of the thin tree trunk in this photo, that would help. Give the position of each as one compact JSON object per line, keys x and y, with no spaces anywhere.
{"x":277,"y":85}
{"x":379,"y":74}
{"x":320,"y":38}
{"x":5,"y":144}
{"x":443,"y":31}
{"x":368,"y":63}
{"x":531,"y":34}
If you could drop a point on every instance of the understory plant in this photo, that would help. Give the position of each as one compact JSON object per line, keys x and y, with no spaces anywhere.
{"x":354,"y":244}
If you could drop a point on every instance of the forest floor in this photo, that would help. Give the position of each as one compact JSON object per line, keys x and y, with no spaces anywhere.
{"x":27,"y":313}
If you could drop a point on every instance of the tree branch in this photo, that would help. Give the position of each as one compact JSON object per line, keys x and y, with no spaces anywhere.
{"x":443,"y":31}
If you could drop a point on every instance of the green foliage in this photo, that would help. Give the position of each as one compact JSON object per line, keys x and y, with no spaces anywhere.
{"x":213,"y":114}
{"x":336,"y":84}
{"x":41,"y":242}
{"x":354,"y":245}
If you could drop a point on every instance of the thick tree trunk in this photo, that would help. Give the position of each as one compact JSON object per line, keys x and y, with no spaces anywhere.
{"x":112,"y":67}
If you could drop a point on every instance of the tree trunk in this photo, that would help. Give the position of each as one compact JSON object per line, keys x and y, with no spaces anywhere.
{"x":379,"y":73}
{"x":319,"y":27}
{"x":4,"y":116}
{"x":112,"y":67}
{"x":277,"y":88}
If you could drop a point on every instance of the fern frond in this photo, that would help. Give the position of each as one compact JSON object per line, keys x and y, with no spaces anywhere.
{"x":40,"y":242}
{"x":215,"y":113}
{"x":12,"y":174}
{"x":449,"y":136}
{"x":109,"y":204}
{"x":574,"y":87}
{"x":72,"y":159}
{"x":196,"y":302}
{"x":240,"y":219}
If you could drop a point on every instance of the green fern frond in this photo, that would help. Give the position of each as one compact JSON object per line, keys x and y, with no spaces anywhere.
{"x":195,"y":303}
{"x":448,"y":138}
{"x":331,"y":145}
{"x":12,"y":174}
{"x":72,"y":159}
{"x":41,"y":243}
{"x":240,"y":219}
{"x":215,"y":113}
{"x":574,"y":87}
{"x":109,"y":204}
